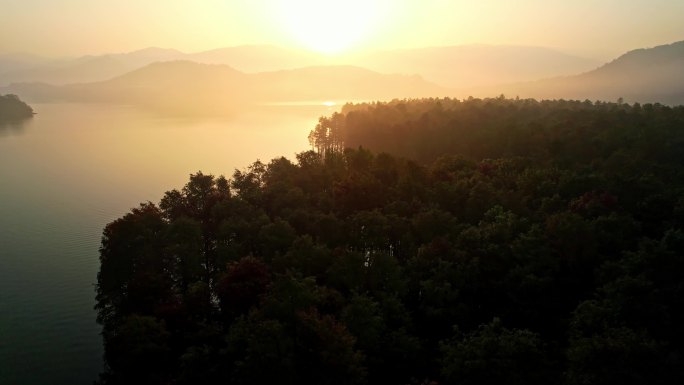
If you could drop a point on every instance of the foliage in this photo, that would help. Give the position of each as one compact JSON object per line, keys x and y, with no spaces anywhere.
{"x":524,"y":242}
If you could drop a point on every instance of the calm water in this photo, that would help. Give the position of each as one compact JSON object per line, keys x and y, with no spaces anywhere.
{"x":67,"y":173}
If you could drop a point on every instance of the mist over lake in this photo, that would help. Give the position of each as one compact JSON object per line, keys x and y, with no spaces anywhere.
{"x":68,"y":172}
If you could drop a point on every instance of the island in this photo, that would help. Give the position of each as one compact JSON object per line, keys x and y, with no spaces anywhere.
{"x":12,"y":108}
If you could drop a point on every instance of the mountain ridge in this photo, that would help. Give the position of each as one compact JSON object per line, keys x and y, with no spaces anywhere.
{"x":645,"y":75}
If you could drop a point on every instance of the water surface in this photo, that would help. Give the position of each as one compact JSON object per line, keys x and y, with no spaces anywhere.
{"x":72,"y":169}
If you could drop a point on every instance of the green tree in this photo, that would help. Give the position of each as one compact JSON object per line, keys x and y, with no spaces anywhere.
{"x":494,"y":354}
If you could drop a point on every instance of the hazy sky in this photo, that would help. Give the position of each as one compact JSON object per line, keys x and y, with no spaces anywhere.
{"x":601,"y":28}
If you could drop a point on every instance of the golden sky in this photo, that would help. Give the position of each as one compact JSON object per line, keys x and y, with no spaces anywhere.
{"x":601,"y":28}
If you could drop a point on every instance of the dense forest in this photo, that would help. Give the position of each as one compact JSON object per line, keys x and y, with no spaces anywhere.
{"x":491,"y":241}
{"x":12,"y":108}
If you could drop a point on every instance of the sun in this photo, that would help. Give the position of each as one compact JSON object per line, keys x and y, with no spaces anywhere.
{"x":329,"y":26}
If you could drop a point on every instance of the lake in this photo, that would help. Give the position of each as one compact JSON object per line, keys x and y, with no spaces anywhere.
{"x":68,"y":172}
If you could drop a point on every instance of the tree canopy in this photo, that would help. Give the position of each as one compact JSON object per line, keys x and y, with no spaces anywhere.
{"x":494,"y":240}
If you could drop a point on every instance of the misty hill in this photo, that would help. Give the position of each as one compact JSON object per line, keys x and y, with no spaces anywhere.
{"x":148,"y":55}
{"x":17,"y":61}
{"x":259,"y":58}
{"x":82,"y":70}
{"x":85,"y":69}
{"x":643,"y":75}
{"x":183,"y":86}
{"x":478,"y":65}
{"x":179,"y":86}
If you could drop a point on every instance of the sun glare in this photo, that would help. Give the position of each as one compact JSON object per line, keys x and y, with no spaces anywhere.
{"x":329,"y":26}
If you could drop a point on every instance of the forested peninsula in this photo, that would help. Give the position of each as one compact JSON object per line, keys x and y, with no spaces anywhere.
{"x":13,"y":109}
{"x":430,"y":241}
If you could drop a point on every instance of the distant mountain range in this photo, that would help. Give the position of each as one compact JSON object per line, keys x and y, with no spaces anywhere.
{"x":643,"y":75}
{"x":162,"y":80}
{"x":477,"y":65}
{"x":456,"y":66}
